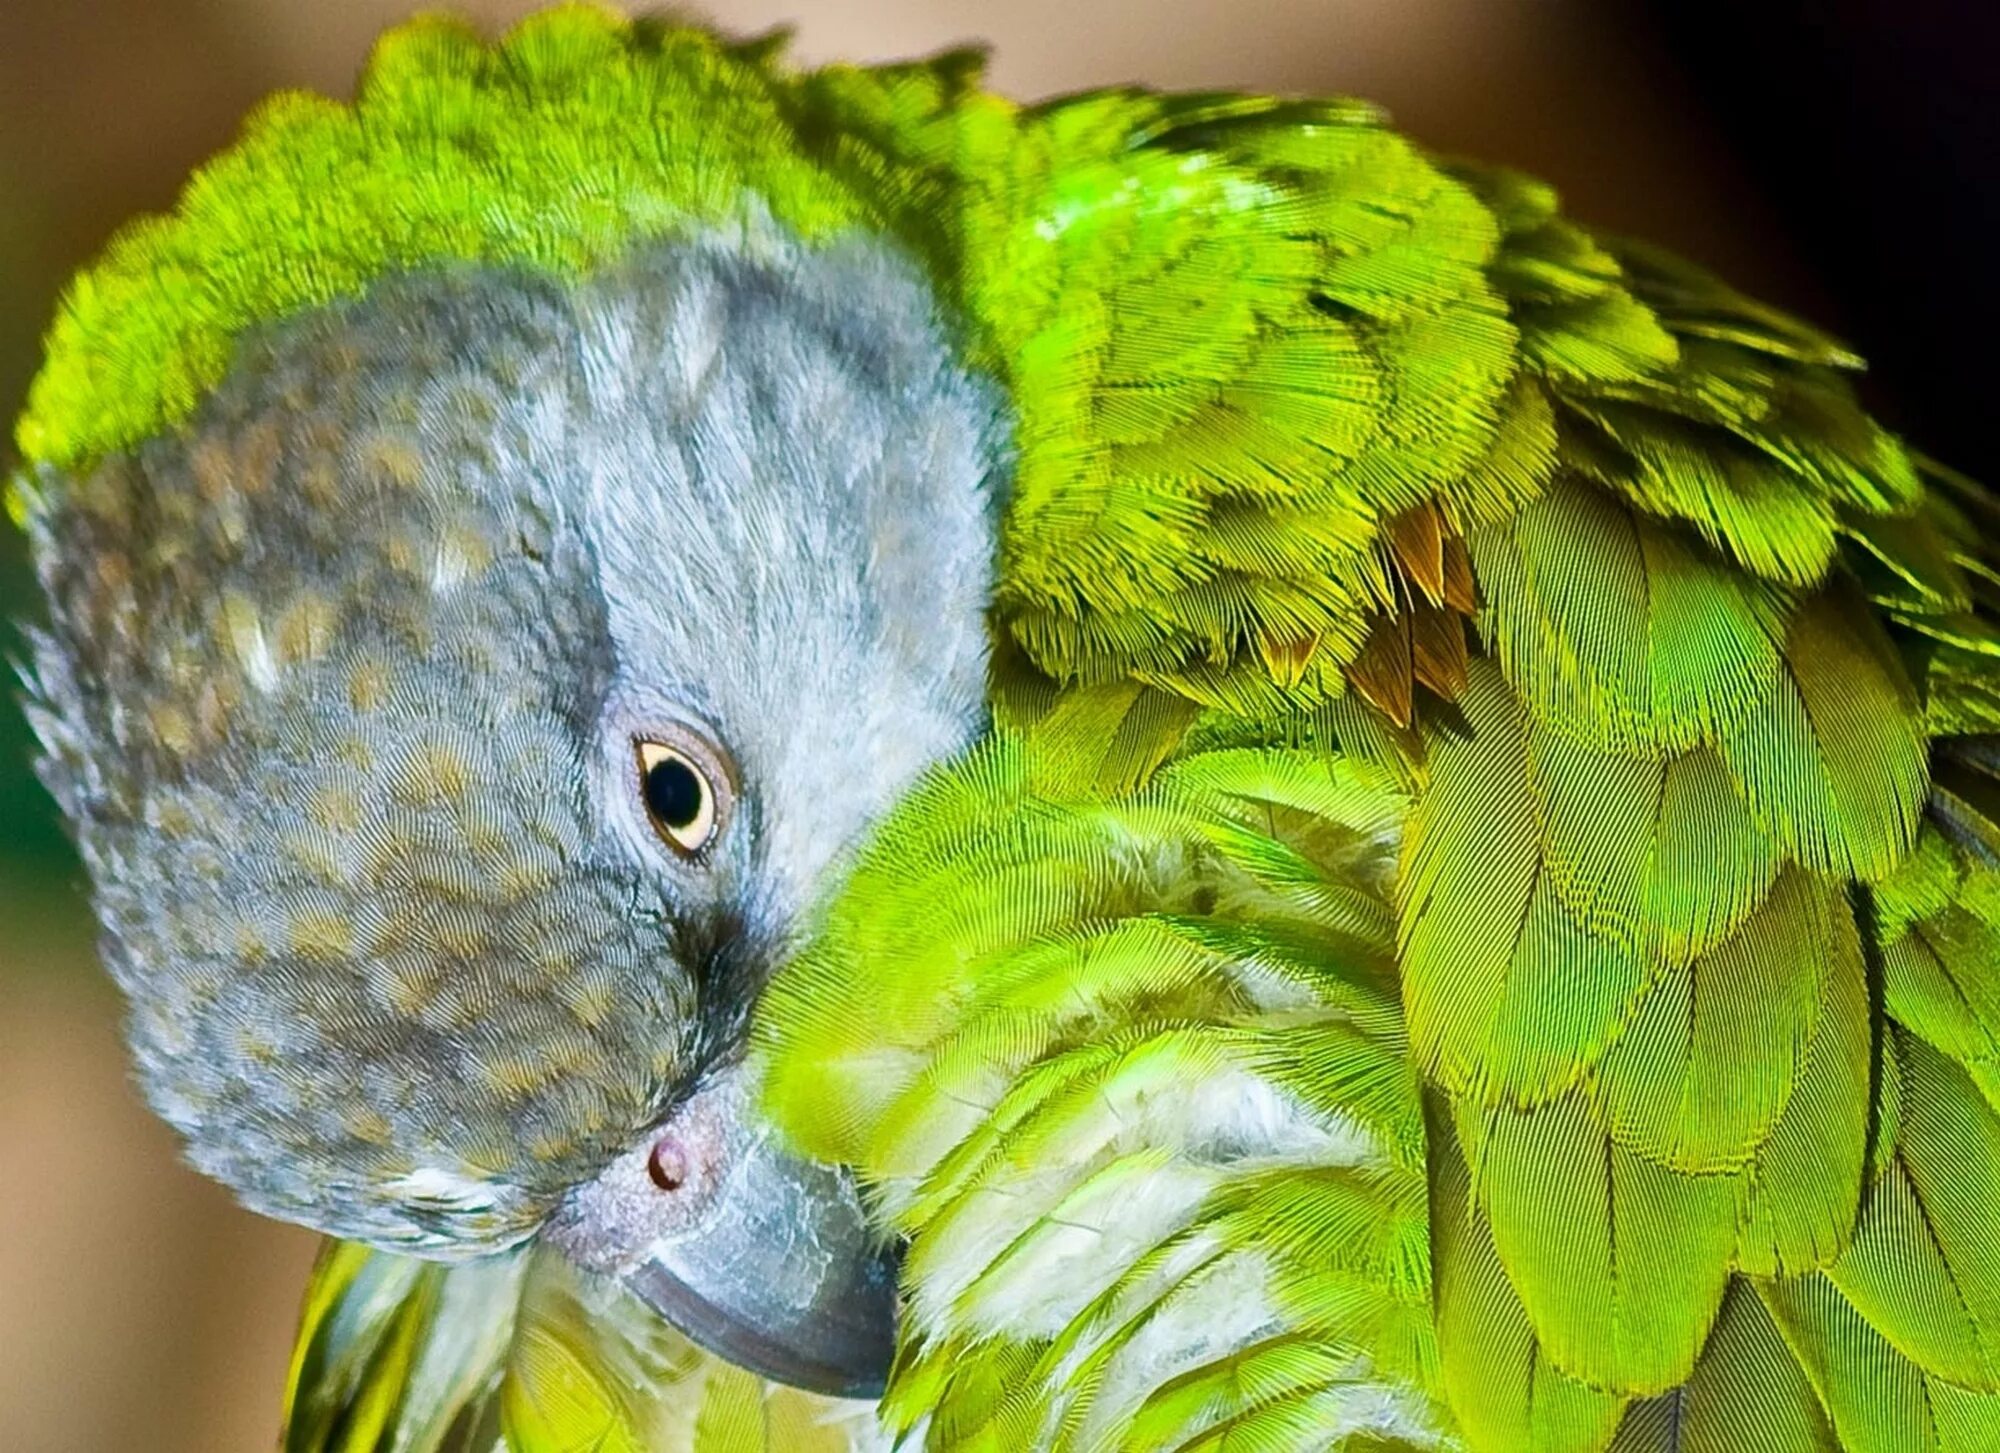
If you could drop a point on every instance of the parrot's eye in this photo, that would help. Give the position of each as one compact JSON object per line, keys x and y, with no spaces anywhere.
{"x":685,"y":788}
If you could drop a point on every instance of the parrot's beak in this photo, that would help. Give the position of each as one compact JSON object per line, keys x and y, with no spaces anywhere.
{"x":759,"y":1256}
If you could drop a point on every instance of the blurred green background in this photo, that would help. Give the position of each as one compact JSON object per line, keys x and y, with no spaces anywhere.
{"x":139,"y":1309}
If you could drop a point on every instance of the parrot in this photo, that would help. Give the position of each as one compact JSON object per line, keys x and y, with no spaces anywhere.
{"x":825,"y":762}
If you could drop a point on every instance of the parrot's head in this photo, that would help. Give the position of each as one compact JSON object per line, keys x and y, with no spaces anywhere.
{"x":459,"y":714}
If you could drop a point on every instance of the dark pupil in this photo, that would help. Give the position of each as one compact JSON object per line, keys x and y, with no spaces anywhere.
{"x":673,"y":792}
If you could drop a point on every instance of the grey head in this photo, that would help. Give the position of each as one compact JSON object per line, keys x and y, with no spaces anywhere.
{"x":458,"y":715}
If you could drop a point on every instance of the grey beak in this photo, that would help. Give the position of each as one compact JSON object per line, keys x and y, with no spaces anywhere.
{"x":761,"y":1257}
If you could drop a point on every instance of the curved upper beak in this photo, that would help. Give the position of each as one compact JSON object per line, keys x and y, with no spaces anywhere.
{"x":762,"y":1257}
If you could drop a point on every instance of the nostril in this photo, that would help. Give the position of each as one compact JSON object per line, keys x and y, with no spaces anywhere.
{"x":667,"y":1165}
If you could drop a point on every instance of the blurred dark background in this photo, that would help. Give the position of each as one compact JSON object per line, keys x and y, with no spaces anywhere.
{"x":1837,"y":156}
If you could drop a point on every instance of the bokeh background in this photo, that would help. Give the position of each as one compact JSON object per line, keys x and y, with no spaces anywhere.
{"x":1837,"y":155}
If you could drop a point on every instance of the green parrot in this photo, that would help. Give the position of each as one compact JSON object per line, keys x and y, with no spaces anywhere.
{"x":827,"y":764}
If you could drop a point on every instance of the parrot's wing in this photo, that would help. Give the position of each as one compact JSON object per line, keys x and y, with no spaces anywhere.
{"x":1651,"y":898}
{"x":1694,"y":910}
{"x":523,"y":1352}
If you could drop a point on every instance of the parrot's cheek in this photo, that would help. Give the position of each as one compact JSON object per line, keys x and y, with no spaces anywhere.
{"x":761,"y":1257}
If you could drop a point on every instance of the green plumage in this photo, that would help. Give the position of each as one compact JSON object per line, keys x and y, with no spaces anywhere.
{"x":397,"y":1354}
{"x":1061,"y":988}
{"x":1486,"y":687}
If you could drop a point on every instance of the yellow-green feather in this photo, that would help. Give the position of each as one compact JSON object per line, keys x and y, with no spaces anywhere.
{"x":1500,"y":1383}
{"x":522,"y":1351}
{"x":1747,"y":1392}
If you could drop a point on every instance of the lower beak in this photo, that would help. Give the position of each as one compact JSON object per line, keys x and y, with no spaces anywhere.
{"x":763,"y":1258}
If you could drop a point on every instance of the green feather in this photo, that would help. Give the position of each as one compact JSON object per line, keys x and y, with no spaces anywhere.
{"x":1800,"y":1196}
{"x":1877,"y":1401}
{"x":1660,"y":856}
{"x":1700,"y":1077}
{"x":1905,"y":562}
{"x":1924,"y":1268}
{"x":1746,"y":1393}
{"x":1938,"y":976}
{"x":1509,"y":996}
{"x":1213,"y":419}
{"x":1619,"y":1262}
{"x":1058,"y":1070}
{"x":1833,"y":761}
{"x":1622,"y":629}
{"x":397,"y":1355}
{"x":1743,"y":503}
{"x":1502,"y":1387}
{"x":1928,"y":882}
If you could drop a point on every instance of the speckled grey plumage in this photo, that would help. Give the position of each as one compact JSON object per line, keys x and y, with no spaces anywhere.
{"x":339,"y":688}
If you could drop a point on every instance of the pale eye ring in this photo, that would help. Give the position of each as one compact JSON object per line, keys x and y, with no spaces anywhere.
{"x":684,"y":786}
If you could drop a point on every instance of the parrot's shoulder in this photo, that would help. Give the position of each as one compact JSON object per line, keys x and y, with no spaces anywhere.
{"x":1293,"y":396}
{"x":1263,"y":379}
